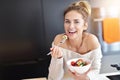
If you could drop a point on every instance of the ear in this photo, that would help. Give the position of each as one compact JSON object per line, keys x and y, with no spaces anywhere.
{"x":85,"y":26}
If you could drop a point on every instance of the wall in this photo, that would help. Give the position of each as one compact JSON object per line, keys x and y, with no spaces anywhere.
{"x":103,"y":9}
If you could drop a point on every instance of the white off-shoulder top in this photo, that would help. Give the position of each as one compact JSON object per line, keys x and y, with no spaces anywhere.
{"x":58,"y":69}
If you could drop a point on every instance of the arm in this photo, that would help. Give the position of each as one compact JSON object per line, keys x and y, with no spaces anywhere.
{"x":56,"y":70}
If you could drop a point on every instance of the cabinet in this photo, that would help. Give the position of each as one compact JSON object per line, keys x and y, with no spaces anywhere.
{"x":22,"y":40}
{"x":21,"y":31}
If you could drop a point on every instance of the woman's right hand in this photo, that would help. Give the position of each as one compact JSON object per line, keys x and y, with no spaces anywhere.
{"x":56,"y":52}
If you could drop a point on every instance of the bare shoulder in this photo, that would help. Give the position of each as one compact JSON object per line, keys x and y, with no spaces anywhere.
{"x":58,"y":38}
{"x":92,"y":41}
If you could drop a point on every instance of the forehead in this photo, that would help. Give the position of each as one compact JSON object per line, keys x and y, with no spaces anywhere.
{"x":73,"y":15}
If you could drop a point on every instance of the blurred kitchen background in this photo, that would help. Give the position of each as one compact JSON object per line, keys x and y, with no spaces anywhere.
{"x":28,"y":27}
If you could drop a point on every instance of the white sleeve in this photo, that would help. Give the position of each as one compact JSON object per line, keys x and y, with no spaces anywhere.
{"x":96,"y":64}
{"x":56,"y":70}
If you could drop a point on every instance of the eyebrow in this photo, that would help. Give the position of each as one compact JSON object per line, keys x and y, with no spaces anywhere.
{"x":74,"y":19}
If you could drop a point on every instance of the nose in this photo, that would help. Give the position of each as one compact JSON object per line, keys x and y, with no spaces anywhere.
{"x":71,"y":25}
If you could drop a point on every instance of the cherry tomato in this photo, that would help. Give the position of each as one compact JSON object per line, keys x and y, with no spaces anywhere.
{"x":73,"y":63}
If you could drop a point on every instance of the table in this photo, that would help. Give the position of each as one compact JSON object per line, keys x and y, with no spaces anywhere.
{"x":35,"y":79}
{"x":103,"y":76}
{"x":100,"y":77}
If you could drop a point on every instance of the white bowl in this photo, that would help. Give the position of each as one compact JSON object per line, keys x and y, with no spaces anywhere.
{"x":79,"y":69}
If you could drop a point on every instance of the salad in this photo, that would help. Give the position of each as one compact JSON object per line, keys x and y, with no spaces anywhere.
{"x":79,"y":62}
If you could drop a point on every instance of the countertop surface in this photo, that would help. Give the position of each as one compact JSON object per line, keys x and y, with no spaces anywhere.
{"x":103,"y":76}
{"x":100,"y":77}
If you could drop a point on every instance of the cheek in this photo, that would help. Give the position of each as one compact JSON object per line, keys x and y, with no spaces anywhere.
{"x":65,"y":26}
{"x":80,"y":28}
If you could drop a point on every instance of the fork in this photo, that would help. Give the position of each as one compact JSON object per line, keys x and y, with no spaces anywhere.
{"x":61,"y":42}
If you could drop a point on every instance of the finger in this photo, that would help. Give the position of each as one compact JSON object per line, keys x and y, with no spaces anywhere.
{"x":77,"y":74}
{"x":52,"y":51}
{"x":51,"y":48}
{"x":55,"y":52}
{"x":71,"y":73}
{"x":88,"y":71}
{"x":59,"y":54}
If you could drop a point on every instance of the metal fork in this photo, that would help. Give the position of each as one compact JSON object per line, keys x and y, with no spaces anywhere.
{"x":61,"y":42}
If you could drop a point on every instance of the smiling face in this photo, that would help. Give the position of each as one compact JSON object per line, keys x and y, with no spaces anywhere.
{"x":74,"y":24}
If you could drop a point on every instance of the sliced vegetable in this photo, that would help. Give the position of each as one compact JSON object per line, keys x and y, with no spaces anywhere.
{"x":79,"y":62}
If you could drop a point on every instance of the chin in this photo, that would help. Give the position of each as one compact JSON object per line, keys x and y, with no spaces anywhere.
{"x":72,"y":36}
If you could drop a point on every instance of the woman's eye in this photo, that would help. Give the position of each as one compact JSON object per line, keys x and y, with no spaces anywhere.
{"x":77,"y":22}
{"x":67,"y":21}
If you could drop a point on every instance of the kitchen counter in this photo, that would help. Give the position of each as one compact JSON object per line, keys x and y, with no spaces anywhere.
{"x":100,"y":77}
{"x":103,"y":76}
{"x":35,"y":79}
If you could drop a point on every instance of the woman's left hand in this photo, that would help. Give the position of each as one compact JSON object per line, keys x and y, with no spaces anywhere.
{"x":78,"y":76}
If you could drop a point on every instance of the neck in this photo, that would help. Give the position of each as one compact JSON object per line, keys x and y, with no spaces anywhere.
{"x":75,"y":43}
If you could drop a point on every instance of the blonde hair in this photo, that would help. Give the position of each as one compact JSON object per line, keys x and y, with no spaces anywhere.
{"x":82,"y":7}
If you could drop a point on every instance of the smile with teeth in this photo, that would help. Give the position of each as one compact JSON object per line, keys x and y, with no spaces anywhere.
{"x":72,"y":32}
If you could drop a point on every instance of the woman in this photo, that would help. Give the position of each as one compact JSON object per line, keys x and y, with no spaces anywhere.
{"x":79,"y":43}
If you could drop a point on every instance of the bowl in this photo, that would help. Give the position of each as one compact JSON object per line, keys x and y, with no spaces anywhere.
{"x":79,"y":65}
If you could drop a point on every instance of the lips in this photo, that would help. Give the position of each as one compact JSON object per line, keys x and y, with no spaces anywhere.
{"x":72,"y":32}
